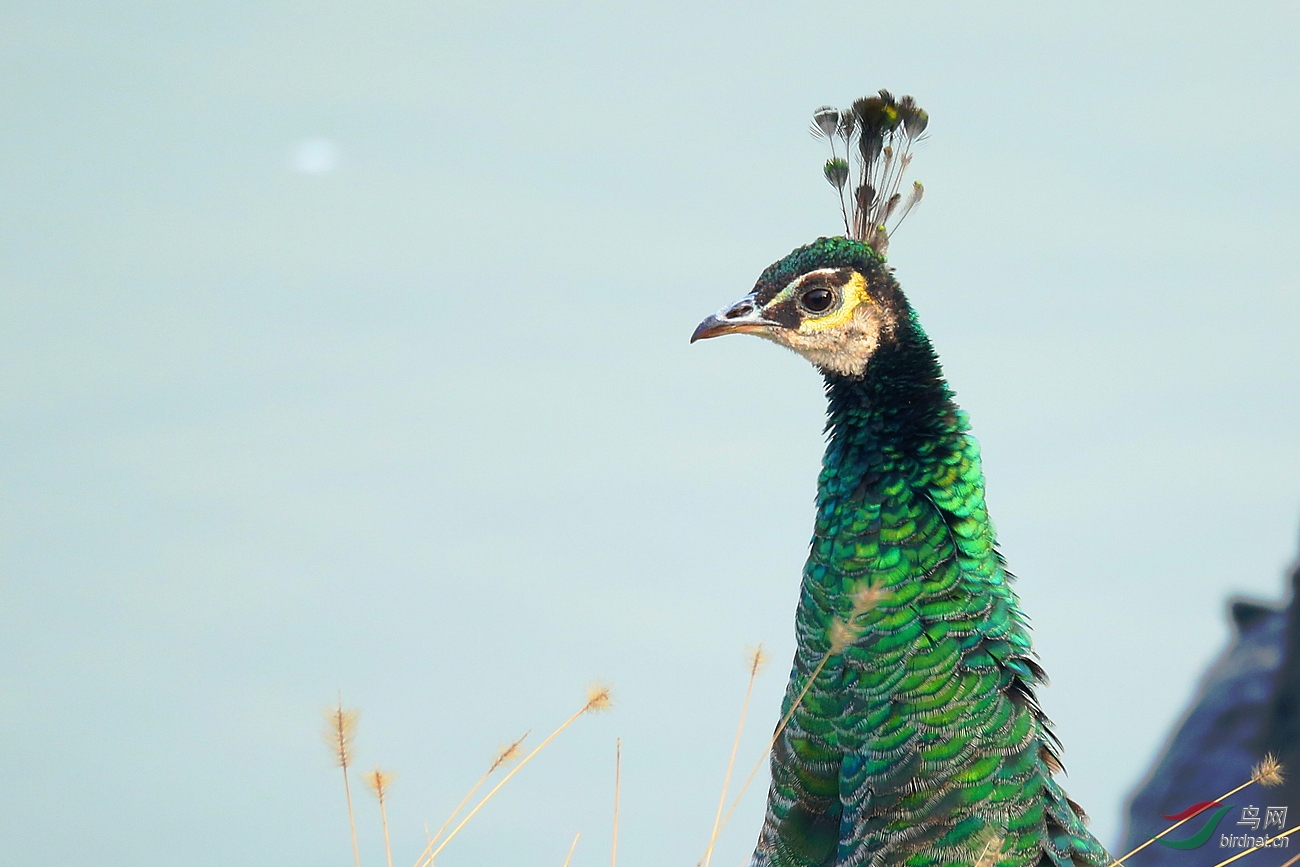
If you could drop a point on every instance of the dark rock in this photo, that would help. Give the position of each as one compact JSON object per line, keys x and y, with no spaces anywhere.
{"x":1247,"y":703}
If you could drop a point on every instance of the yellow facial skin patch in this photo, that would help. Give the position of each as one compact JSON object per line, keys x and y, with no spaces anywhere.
{"x":853,"y":293}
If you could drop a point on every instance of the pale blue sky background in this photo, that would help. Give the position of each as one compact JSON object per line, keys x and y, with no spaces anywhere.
{"x":343,"y":346}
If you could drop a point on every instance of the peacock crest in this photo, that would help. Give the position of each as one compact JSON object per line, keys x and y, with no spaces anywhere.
{"x":876,"y":135}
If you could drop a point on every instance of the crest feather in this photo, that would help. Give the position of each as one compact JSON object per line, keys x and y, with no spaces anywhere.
{"x":877,"y":133}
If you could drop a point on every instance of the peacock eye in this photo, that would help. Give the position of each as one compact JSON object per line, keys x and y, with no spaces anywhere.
{"x":817,"y":300}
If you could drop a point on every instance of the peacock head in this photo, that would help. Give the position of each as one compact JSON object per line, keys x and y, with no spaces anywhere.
{"x":834,"y":301}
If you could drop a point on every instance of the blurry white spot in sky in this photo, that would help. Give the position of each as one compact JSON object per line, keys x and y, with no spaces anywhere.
{"x":315,"y":156}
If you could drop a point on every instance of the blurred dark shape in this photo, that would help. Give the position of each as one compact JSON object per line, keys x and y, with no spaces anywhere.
{"x":1248,"y":703}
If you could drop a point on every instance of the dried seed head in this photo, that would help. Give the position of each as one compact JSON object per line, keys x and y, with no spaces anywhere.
{"x":757,"y":659}
{"x":866,"y":597}
{"x":340,"y":731}
{"x":841,"y":635}
{"x":1268,"y":772}
{"x":991,"y":852}
{"x":507,"y":754}
{"x":990,"y":842}
{"x":379,"y":781}
{"x":598,"y":698}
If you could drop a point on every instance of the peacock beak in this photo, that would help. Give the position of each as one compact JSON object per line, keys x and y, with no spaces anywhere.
{"x":743,"y":317}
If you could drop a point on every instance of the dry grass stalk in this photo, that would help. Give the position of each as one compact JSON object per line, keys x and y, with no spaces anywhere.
{"x":1291,"y":860}
{"x":340,"y":731}
{"x":756,"y":662}
{"x":785,"y":720}
{"x":618,"y":772}
{"x":504,"y":756}
{"x":1267,"y":773}
{"x":840,"y":633}
{"x":379,"y":781}
{"x":572,"y":846}
{"x":598,"y":699}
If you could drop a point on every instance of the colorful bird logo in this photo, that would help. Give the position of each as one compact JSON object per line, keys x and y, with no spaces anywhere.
{"x":1199,"y":838}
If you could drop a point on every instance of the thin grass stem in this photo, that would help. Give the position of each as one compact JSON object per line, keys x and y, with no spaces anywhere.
{"x":1268,"y":773}
{"x":572,"y":846}
{"x":1119,"y":862}
{"x":503,"y":756}
{"x":352,"y":819}
{"x":596,"y":701}
{"x":785,"y":720}
{"x":756,"y":662}
{"x":618,"y":773}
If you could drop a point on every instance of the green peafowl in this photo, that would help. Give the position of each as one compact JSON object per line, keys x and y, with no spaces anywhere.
{"x":912,"y":734}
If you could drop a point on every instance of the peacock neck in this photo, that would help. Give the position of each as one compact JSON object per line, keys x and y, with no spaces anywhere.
{"x":900,"y":405}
